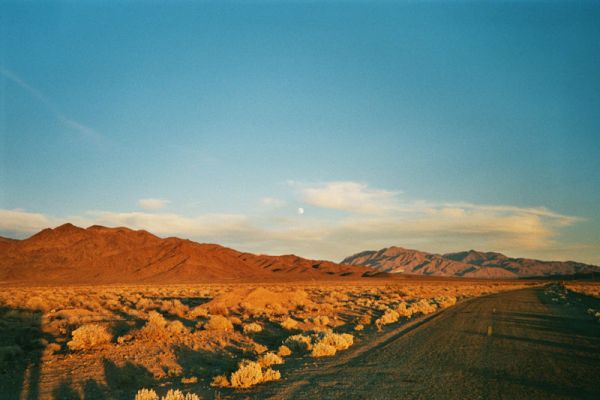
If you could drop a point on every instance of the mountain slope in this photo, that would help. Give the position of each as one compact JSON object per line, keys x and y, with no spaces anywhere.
{"x":473,"y":264}
{"x":523,"y":267}
{"x":69,"y":254}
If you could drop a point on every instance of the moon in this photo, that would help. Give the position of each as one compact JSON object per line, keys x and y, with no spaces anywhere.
{"x":300,"y":210}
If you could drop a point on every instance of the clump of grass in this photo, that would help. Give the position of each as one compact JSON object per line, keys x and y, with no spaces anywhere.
{"x":250,"y":373}
{"x":89,"y":336}
{"x":389,"y":317}
{"x":298,"y":342}
{"x":218,"y":323}
{"x":284,"y":351}
{"x":149,"y":394}
{"x":323,"y":350}
{"x":146,"y":394}
{"x":268,"y":359}
{"x":338,"y":341}
{"x":252,"y":327}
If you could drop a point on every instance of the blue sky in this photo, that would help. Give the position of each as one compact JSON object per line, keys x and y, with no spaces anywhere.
{"x":438,"y":126}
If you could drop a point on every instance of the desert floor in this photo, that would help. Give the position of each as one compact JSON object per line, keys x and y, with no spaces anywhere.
{"x":366,"y":339}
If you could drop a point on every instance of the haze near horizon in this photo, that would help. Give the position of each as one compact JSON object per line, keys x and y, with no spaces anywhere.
{"x":319,"y":129}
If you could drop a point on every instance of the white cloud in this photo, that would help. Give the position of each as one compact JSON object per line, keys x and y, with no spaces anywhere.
{"x":349,"y":196}
{"x":21,"y":221}
{"x":374,"y":219}
{"x":152,"y":204}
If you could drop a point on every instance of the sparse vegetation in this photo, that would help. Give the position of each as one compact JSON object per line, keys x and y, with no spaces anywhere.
{"x":187,"y":336}
{"x":89,"y":336}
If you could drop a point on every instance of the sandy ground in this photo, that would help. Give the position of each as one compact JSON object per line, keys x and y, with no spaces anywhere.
{"x":543,"y":342}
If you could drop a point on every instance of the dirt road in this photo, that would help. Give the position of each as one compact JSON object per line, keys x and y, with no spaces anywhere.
{"x":514,"y":345}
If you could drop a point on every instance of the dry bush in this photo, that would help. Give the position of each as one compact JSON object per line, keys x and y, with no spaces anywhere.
{"x":389,"y":317}
{"x":284,"y":351}
{"x":289,"y":324}
{"x":158,"y":328}
{"x":320,"y":320}
{"x":271,"y":375}
{"x":149,"y":394}
{"x":248,"y":374}
{"x":199,"y":312}
{"x":298,"y":342}
{"x":252,"y":327}
{"x":404,"y":311}
{"x":424,"y":307}
{"x":339,"y":341}
{"x":178,"y":395}
{"x":446,"y":301}
{"x":323,"y":350}
{"x":174,"y":307}
{"x":220,"y":381}
{"x":146,"y":394}
{"x":89,"y":336}
{"x":218,"y":323}
{"x":359,"y":327}
{"x":268,"y":359}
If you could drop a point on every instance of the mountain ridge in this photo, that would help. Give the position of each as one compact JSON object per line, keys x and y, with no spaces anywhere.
{"x":100,"y":255}
{"x":470,"y":264}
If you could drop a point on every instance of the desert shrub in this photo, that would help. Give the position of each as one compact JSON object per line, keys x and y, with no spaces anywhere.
{"x":338,"y":341}
{"x":298,"y":342}
{"x":89,"y":336}
{"x":178,"y":395}
{"x":144,"y":304}
{"x":218,"y":323}
{"x":252,"y":327}
{"x":174,"y":307}
{"x":446,"y":301}
{"x":191,"y":379}
{"x":424,"y":307}
{"x":389,"y":317}
{"x":268,"y":359}
{"x":323,"y":350}
{"x":259,"y":348}
{"x":284,"y":351}
{"x":248,"y":374}
{"x":321,"y":320}
{"x":146,"y":394}
{"x":199,"y":312}
{"x":220,"y":381}
{"x":289,"y":324}
{"x":271,"y":375}
{"x":403,"y":310}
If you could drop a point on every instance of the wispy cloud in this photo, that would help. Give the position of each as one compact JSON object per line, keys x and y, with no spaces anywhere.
{"x":373,"y":218}
{"x":272,"y":202}
{"x":68,"y":122}
{"x":348,"y":196}
{"x":152,"y":204}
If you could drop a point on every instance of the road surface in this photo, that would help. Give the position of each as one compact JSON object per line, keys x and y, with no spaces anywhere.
{"x":514,"y":345}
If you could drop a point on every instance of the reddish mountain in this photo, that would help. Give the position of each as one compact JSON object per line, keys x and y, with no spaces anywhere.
{"x":472,"y":264}
{"x":69,"y":254}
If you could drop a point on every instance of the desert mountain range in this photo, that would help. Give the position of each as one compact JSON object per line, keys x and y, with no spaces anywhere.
{"x":98,"y":255}
{"x":471,"y":264}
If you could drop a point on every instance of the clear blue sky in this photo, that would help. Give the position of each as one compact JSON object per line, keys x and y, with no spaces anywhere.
{"x":440,"y":126}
